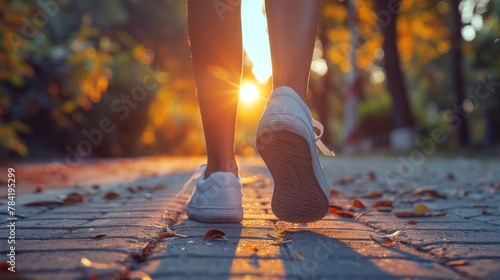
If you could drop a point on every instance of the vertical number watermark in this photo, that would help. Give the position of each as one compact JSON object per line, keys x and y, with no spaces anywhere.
{"x":11,"y":220}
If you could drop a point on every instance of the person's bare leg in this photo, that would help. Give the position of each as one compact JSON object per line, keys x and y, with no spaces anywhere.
{"x":216,"y":48}
{"x":301,"y":193}
{"x":292,"y":26}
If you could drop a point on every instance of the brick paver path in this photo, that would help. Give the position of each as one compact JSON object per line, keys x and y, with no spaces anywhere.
{"x":119,"y":228}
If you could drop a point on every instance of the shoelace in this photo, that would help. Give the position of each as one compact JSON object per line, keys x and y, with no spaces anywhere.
{"x":195,"y":176}
{"x":322,"y":147}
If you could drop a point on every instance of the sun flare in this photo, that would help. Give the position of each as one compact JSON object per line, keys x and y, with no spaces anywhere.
{"x":249,"y":93}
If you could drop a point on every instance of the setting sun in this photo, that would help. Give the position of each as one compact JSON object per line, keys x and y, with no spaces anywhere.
{"x":249,"y":93}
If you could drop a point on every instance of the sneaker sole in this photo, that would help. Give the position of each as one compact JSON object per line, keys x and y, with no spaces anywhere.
{"x":215,"y":215}
{"x":298,"y":196}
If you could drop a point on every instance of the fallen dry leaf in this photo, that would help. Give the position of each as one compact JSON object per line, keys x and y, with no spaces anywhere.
{"x":429,"y":193}
{"x":159,"y":187}
{"x":358,"y":203}
{"x":111,"y":195}
{"x":383,"y":203}
{"x":141,"y":256}
{"x":386,"y":239}
{"x":343,"y":214}
{"x":421,"y":208}
{"x":73,"y":198}
{"x":214,"y":234}
{"x":413,"y":214}
{"x":44,"y":203}
{"x":335,"y":192}
{"x":373,"y":194}
{"x":166,"y":234}
{"x":485,"y":211}
{"x":412,"y":222}
{"x":384,"y":209}
{"x":456,"y":263}
{"x":98,"y":236}
{"x":334,"y":207}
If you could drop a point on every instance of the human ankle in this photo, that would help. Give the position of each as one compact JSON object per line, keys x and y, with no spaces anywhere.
{"x":228,"y":166}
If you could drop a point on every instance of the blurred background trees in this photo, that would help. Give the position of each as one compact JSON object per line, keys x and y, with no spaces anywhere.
{"x":65,"y":66}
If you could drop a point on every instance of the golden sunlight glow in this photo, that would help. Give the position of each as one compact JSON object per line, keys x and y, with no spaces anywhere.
{"x":255,"y":38}
{"x":249,"y":93}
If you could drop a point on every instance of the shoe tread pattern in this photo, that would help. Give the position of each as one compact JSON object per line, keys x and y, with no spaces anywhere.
{"x":297,"y":195}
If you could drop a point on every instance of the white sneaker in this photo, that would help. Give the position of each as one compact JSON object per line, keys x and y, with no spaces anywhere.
{"x":286,"y":141}
{"x":216,"y":199}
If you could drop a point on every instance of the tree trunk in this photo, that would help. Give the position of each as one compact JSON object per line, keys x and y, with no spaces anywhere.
{"x":458,"y":76}
{"x":401,"y":113}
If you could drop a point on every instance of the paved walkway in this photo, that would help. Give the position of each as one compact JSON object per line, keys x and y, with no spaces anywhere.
{"x":116,"y":219}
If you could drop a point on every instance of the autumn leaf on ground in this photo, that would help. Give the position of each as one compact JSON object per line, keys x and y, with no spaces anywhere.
{"x":429,"y":193}
{"x":340,"y":213}
{"x":412,"y":222}
{"x":420,"y":211}
{"x":44,"y":203}
{"x":383,"y":203}
{"x":335,"y":192}
{"x":411,"y":214}
{"x":421,"y":208}
{"x":141,"y":256}
{"x":111,"y":195}
{"x":384,"y":209}
{"x":456,"y":263}
{"x":166,"y":234}
{"x":168,"y":218}
{"x":358,"y":203}
{"x":386,"y":240}
{"x":485,"y":211}
{"x":215,"y":234}
{"x":73,"y":198}
{"x":334,"y":207}
{"x":373,"y":194}
{"x":98,"y":236}
{"x":159,"y":187}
